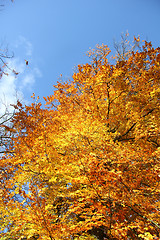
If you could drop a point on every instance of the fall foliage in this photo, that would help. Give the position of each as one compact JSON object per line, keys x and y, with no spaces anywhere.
{"x":87,"y":165}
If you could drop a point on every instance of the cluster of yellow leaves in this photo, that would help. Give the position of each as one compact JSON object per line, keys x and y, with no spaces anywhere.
{"x":87,"y":166}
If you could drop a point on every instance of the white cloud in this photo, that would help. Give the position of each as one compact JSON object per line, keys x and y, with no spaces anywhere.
{"x":12,"y":86}
{"x":28,"y":81}
{"x":22,"y":41}
{"x":9,"y":92}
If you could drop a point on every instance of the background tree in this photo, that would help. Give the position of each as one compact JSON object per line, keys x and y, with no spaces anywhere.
{"x":6,"y":116}
{"x":124,"y":48}
{"x":6,"y":133}
{"x":87,"y":165}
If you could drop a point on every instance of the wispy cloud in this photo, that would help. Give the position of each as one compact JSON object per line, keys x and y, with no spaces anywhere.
{"x":12,"y":86}
{"x":22,"y":41}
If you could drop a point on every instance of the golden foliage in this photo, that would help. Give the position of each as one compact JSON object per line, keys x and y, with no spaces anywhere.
{"x":87,"y":165}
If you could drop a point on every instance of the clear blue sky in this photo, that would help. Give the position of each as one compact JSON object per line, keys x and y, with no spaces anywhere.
{"x":54,"y":36}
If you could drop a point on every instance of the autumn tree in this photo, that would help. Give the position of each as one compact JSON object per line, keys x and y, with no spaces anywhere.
{"x":87,"y":165}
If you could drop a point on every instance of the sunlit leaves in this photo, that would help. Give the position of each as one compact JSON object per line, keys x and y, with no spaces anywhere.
{"x":87,"y":165}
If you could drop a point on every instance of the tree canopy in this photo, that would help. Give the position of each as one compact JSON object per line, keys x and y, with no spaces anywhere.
{"x":87,"y":165}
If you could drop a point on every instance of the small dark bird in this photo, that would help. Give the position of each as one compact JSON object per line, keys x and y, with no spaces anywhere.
{"x":26,"y":62}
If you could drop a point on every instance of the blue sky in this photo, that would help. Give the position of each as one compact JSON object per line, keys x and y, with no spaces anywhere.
{"x":54,"y":36}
